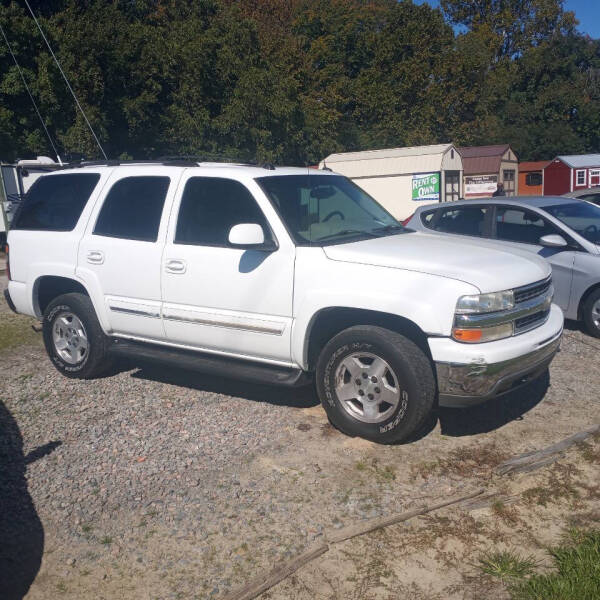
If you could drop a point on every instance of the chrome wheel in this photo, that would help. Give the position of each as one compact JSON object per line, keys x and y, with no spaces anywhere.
{"x":596,"y":314}
{"x":69,"y":338}
{"x":367,"y":387}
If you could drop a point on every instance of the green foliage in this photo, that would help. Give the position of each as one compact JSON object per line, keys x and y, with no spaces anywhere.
{"x":577,"y":574}
{"x":293,"y":80}
{"x":506,"y":565}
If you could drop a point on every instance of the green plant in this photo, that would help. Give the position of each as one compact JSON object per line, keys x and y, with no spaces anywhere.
{"x":506,"y":564}
{"x":577,"y":574}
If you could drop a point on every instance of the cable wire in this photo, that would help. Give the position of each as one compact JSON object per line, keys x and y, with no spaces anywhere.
{"x":67,"y":81}
{"x":35,"y":106}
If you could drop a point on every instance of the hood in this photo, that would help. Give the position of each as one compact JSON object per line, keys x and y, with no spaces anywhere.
{"x":489,"y":266}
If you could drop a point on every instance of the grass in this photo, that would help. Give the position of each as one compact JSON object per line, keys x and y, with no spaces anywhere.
{"x":507,"y":565}
{"x":106,"y":540}
{"x":15,"y":330}
{"x":577,"y":574}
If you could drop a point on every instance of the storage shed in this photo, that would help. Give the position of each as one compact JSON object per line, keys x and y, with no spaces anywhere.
{"x":531,"y":177}
{"x":569,"y":173}
{"x":399,"y":178}
{"x":487,"y":166}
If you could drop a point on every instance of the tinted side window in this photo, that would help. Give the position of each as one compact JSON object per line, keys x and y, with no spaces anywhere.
{"x":464,"y":220}
{"x":133,"y":208}
{"x":55,"y":203}
{"x":519,"y":225}
{"x":210,"y":207}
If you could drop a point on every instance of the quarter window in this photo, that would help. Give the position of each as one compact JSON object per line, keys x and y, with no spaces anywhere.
{"x":133,"y":208}
{"x":55,"y":202}
{"x":464,"y":220}
{"x":581,"y":177}
{"x":518,"y":225}
{"x":210,"y":207}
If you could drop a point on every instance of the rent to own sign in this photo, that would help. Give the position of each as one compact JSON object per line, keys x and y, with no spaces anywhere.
{"x":426,"y":186}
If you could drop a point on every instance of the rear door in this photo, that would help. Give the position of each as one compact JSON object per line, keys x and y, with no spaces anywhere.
{"x":523,"y":228}
{"x":120,"y":254}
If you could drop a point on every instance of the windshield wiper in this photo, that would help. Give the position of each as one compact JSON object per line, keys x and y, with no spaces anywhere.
{"x":347,"y":232}
{"x":390,"y":228}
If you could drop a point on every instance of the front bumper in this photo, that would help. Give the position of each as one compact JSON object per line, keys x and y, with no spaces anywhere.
{"x":498,"y":368}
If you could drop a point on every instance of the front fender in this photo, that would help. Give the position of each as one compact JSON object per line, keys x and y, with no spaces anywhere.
{"x":428,"y":301}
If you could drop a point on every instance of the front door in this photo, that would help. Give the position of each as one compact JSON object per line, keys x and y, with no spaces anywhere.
{"x":120,"y":254}
{"x":219,"y":298}
{"x":452,"y":186}
{"x":524,"y":228}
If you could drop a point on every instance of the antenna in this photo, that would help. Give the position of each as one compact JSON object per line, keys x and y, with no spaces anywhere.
{"x":31,"y":96}
{"x":67,"y":81}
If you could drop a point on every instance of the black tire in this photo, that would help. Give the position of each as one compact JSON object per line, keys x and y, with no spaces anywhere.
{"x":410,"y":366}
{"x":589,"y":316}
{"x":95,"y":360}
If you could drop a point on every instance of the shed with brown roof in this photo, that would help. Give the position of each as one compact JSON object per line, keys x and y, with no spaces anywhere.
{"x":487,"y":166}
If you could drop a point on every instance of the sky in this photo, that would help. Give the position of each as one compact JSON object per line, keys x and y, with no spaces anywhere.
{"x":586,"y":11}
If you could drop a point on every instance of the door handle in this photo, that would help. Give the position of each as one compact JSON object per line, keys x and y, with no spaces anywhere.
{"x":175,"y":266}
{"x":95,"y":257}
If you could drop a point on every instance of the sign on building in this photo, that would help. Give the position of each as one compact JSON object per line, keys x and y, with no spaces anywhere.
{"x":480,"y":185}
{"x":426,"y":186}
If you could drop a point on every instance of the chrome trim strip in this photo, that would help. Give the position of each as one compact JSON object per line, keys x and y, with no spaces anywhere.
{"x":176,"y":316}
{"x":161,"y":342}
{"x":523,"y":309}
{"x":135,"y":311}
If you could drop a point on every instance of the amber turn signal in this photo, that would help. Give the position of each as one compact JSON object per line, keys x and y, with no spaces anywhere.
{"x":467,"y":335}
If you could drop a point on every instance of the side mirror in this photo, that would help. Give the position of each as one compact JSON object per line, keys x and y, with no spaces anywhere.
{"x":249,"y":236}
{"x":553,"y":240}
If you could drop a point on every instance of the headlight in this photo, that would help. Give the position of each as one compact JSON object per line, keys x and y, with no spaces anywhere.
{"x":484,"y":303}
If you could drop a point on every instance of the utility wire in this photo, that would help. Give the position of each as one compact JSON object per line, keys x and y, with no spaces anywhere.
{"x":67,"y":81}
{"x":35,"y":106}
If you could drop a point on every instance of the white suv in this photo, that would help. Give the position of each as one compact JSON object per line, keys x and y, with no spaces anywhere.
{"x":273,"y":274}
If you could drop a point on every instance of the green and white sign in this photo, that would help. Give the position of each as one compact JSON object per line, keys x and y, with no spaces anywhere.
{"x":426,"y":186}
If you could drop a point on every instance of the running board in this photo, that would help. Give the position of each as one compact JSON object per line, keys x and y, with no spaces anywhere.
{"x":210,"y":364}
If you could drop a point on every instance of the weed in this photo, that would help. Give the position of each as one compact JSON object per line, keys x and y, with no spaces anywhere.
{"x":106,"y":540}
{"x":360,"y":466}
{"x":577,"y":574}
{"x":506,"y":565}
{"x":559,"y":485}
{"x":15,"y":330}
{"x":86,"y":528}
{"x":507,"y":513}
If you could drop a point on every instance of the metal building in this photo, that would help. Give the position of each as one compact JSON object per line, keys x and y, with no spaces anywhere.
{"x":487,"y":166}
{"x":399,"y":178}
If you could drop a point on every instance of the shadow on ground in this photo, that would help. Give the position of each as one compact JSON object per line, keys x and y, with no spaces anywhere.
{"x":455,"y":422}
{"x":496,"y":413}
{"x":295,"y":397}
{"x":21,"y":531}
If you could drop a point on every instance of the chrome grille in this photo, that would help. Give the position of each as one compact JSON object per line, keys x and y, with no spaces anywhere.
{"x":527,"y":292}
{"x":531,"y":321}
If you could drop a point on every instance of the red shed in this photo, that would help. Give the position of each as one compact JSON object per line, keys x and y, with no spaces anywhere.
{"x":569,"y":173}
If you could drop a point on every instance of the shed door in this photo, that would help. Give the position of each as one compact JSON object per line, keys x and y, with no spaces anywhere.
{"x":452,"y":188}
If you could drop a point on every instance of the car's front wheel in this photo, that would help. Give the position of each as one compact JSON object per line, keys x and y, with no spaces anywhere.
{"x":591,"y":313}
{"x":376,"y":384}
{"x":73,"y":337}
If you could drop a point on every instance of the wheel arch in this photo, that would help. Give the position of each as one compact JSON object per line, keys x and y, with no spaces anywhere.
{"x":48,"y":287}
{"x":330,"y":321}
{"x":584,"y":297}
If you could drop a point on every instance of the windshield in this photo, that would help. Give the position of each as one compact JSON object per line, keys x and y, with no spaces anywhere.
{"x":327,"y":209}
{"x":582,"y":217}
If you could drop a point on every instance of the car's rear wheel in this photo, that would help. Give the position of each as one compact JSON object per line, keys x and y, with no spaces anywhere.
{"x":73,"y":337}
{"x":591,"y":313}
{"x":376,"y":384}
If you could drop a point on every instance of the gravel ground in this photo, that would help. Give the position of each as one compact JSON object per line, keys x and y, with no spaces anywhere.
{"x":156,"y":483}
